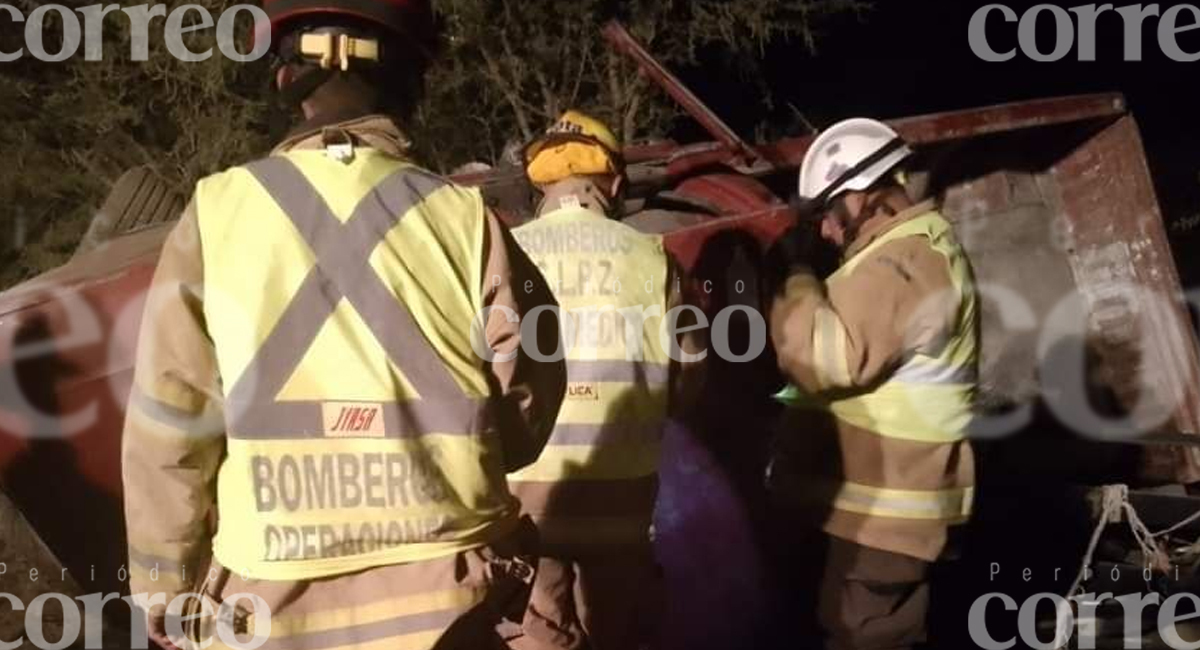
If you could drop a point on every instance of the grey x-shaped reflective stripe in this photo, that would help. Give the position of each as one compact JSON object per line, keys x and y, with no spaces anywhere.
{"x":343,"y":270}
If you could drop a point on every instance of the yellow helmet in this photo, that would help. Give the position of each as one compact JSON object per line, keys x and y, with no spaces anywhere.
{"x":576,"y":144}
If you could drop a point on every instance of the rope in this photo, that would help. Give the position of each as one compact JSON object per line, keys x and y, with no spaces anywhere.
{"x":1156,"y":556}
{"x":1110,"y":507}
{"x":1194,"y":547}
{"x":1185,"y":522}
{"x":1115,"y":504}
{"x":1190,"y":549}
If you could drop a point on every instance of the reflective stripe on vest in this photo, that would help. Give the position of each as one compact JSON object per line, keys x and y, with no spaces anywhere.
{"x":354,"y":402}
{"x":608,"y":433}
{"x":950,"y":506}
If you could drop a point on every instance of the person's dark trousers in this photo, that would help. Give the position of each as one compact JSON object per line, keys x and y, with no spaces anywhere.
{"x":871,"y":599}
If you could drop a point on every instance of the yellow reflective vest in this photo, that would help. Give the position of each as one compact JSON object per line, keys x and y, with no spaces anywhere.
{"x":596,"y":481}
{"x":911,"y":428}
{"x":354,"y":403}
{"x":927,"y":399}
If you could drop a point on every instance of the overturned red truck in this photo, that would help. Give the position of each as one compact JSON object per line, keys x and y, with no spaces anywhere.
{"x":1089,"y":363}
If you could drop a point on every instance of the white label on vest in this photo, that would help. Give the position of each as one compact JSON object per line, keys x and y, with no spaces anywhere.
{"x":583,"y":392}
{"x":353,"y":420}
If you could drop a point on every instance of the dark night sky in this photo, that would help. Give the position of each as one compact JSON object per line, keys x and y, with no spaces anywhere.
{"x":908,"y":57}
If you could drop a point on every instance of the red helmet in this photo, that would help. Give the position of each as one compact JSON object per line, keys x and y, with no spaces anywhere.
{"x":410,"y":18}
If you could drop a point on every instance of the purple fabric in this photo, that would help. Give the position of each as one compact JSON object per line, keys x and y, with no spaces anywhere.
{"x":715,"y":582}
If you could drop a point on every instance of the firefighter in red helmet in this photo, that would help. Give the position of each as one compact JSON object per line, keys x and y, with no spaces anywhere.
{"x":320,"y":45}
{"x":331,"y":382}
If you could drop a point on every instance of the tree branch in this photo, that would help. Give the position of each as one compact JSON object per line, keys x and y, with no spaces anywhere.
{"x":629,"y":127}
{"x":616,"y":94}
{"x":584,"y":60}
{"x":506,"y":89}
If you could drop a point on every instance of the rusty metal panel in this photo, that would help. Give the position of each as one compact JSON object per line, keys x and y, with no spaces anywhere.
{"x":67,"y":347}
{"x":994,"y":216}
{"x":1122,"y":264}
{"x":972,"y":123}
{"x":730,"y":193}
{"x":765,"y":226}
{"x":956,"y":125}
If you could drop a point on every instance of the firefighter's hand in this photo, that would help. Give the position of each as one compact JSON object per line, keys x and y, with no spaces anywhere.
{"x":795,"y":245}
{"x":792,"y":252}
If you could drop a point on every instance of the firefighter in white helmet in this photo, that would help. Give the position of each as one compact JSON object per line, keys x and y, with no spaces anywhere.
{"x":882,"y":357}
{"x":592,"y":491}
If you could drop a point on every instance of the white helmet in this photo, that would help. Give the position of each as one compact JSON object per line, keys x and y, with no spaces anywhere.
{"x":845,"y":146}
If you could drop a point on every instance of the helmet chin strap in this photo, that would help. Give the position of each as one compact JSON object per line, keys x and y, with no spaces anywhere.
{"x":300,"y":88}
{"x":849,"y":224}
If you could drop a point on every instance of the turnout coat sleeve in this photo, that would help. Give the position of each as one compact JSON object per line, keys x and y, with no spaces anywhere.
{"x":174,"y":429}
{"x":526,"y":393}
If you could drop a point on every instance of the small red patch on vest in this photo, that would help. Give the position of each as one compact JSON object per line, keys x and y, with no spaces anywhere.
{"x":353,"y":420}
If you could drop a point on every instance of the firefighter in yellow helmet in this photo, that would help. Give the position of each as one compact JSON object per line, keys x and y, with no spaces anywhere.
{"x":578,"y":155}
{"x":313,"y":421}
{"x":592,"y":492}
{"x":883,"y":357}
